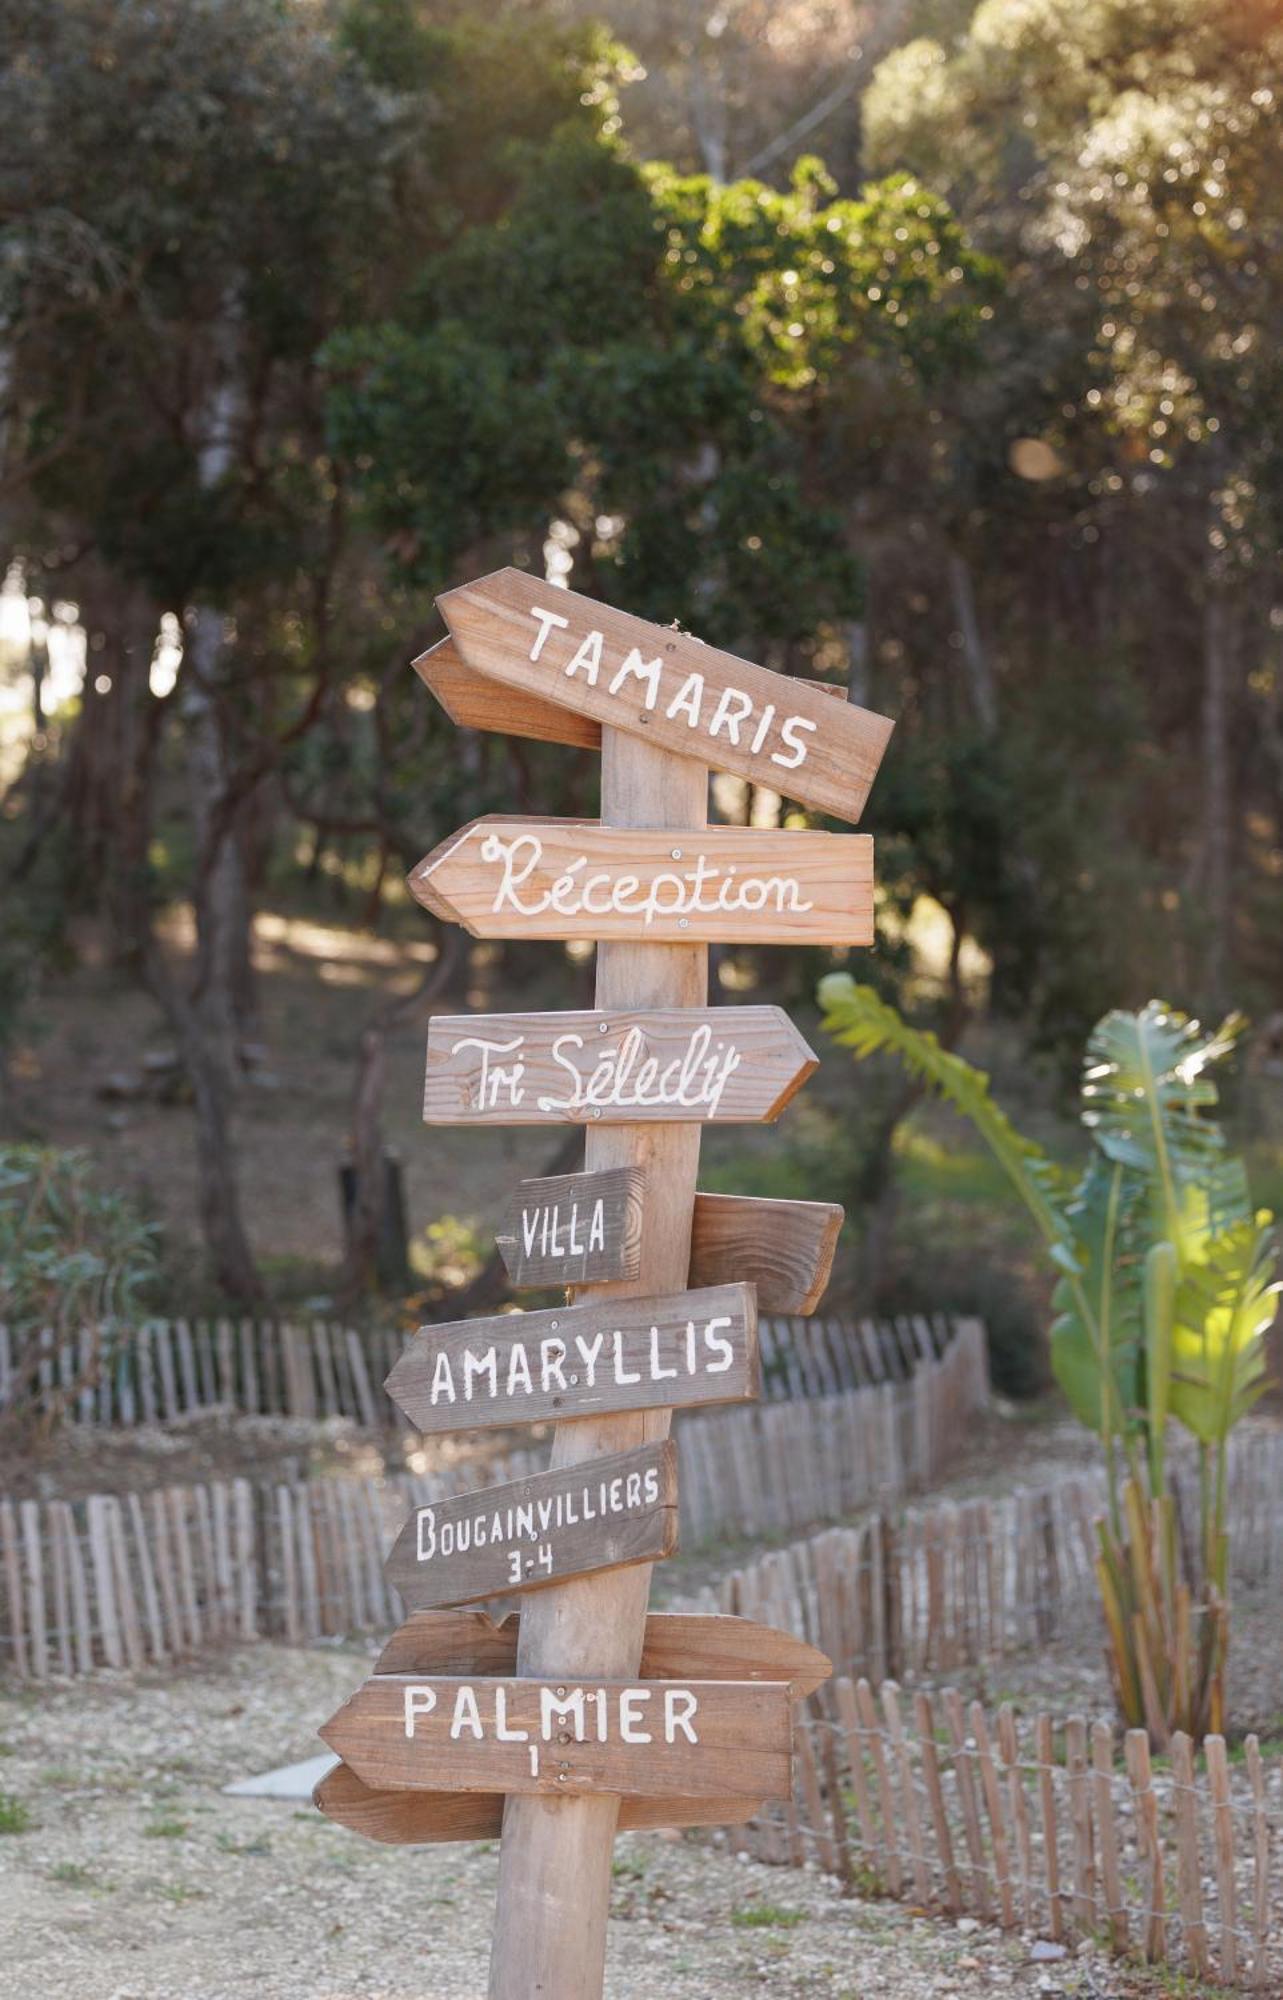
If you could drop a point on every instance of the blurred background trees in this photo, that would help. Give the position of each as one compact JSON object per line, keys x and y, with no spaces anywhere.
{"x":925,"y":348}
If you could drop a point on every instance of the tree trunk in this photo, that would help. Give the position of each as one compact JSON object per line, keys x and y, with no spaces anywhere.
{"x":366,"y":1138}
{"x":1217,"y":840}
{"x":982,"y":695}
{"x":231,"y":1260}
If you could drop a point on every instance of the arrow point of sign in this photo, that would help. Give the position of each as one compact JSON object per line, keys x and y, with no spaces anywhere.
{"x":807,"y":1062}
{"x":425,"y":891}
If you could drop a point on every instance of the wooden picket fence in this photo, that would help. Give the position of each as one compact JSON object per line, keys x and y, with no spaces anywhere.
{"x":136,"y":1580}
{"x":1034,"y":1824}
{"x":951,"y":1584}
{"x":166,"y":1369}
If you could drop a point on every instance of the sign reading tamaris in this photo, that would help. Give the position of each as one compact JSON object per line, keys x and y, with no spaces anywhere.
{"x":680,"y":694}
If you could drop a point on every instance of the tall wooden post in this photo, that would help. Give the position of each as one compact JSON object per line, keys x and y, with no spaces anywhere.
{"x":555,"y":1855}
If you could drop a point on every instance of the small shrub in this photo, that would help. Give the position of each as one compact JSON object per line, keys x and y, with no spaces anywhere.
{"x":767,"y":1916}
{"x":15,"y":1817}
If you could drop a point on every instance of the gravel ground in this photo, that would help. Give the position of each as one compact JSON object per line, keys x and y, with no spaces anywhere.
{"x":137,"y":1880}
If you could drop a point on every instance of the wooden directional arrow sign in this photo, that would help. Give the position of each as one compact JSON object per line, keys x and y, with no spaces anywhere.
{"x":547,"y":878}
{"x":473,"y":702}
{"x":574,"y":1229}
{"x":706,"y":1646}
{"x":784,"y":1249}
{"x":414,"y":1819}
{"x":581,"y":1361}
{"x":737,"y":1065}
{"x":695,"y":1739}
{"x":461,"y":1643}
{"x":668,"y":687}
{"x":602,"y":1514}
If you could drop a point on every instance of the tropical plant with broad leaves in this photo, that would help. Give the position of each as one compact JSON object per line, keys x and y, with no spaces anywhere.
{"x":1164,"y":1292}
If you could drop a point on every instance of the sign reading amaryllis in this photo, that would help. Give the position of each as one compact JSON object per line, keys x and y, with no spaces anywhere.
{"x":646,"y":1738}
{"x":581,"y":1361}
{"x":738,"y":1065}
{"x":602,"y":1514}
{"x":547,"y":878}
{"x":682,"y":695}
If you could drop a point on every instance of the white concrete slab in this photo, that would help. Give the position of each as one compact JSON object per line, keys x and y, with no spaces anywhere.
{"x":291,"y":1781}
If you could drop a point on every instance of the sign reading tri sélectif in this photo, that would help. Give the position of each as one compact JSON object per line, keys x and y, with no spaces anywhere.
{"x":644,"y":1738}
{"x":581,"y":1361}
{"x":733,"y":1064}
{"x":547,"y":878}
{"x":602,"y":1514}
{"x":680,"y":694}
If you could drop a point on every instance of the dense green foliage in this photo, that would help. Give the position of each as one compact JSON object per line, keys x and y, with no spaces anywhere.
{"x":1164,"y":1292}
{"x":76,"y":1266}
{"x":956,"y":386}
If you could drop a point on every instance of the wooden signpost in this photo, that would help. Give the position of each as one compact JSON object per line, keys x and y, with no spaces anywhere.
{"x":586,"y":1715}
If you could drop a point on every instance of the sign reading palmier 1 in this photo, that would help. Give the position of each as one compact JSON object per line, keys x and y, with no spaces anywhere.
{"x":467,"y":1728}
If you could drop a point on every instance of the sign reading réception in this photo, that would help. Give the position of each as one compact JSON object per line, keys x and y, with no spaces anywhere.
{"x":573,"y":879}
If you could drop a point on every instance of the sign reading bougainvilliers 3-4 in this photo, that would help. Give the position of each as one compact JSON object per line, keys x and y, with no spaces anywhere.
{"x":663,"y":684}
{"x":576,"y":879}
{"x":734,"y":1064}
{"x":603,"y":1514}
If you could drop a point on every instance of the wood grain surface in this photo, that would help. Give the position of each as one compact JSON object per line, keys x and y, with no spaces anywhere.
{"x":537,"y":1531}
{"x":575,"y":879}
{"x":474,"y":702}
{"x":573,"y":1229}
{"x":415,"y":1819}
{"x":732,"y":1065}
{"x":706,"y":1646}
{"x":581,"y":1361}
{"x":646,"y":1739}
{"x":664,"y":685}
{"x":784,"y":1249}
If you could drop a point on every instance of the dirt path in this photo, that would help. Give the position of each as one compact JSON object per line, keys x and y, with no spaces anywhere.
{"x":137,"y":1880}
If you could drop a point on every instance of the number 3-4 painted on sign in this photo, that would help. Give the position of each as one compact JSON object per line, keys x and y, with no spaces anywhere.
{"x":519,"y":1570}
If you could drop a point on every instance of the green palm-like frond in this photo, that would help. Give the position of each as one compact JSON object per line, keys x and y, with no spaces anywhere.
{"x":1223,"y":1309}
{"x":1097,"y":1337}
{"x":861,"y":1020}
{"x":1146,"y":1096}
